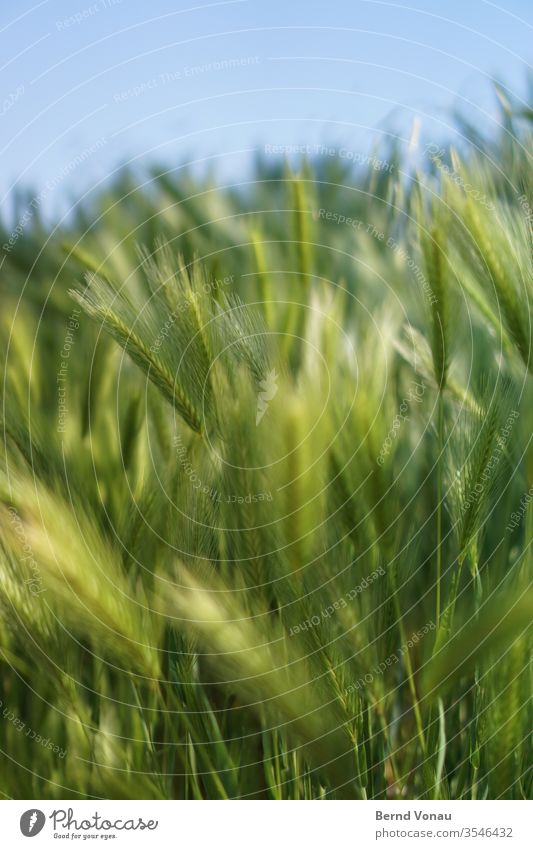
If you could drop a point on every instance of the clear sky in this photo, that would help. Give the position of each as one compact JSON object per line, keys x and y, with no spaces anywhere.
{"x":87,"y":85}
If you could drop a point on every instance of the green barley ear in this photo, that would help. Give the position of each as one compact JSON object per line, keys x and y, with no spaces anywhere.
{"x":138,"y":330}
{"x":507,"y":749}
{"x":413,"y":347}
{"x":80,"y":573}
{"x":21,"y":589}
{"x":501,"y":623}
{"x":496,"y":243}
{"x":241,"y":338}
{"x":479,"y":459}
{"x":222,"y":331}
{"x":299,"y":473}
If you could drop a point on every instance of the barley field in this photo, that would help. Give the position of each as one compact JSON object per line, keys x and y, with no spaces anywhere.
{"x":266,"y":482}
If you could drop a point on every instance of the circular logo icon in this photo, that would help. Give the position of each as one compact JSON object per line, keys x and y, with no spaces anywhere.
{"x":32,"y":822}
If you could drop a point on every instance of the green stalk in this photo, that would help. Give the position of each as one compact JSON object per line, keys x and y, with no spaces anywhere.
{"x":410,"y":677}
{"x":262,"y":274}
{"x":440,"y":449}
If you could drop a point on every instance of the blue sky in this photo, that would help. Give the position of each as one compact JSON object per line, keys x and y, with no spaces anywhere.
{"x":90,"y":84}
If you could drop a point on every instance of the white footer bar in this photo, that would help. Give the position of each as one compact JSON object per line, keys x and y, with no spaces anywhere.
{"x":267,"y":825}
